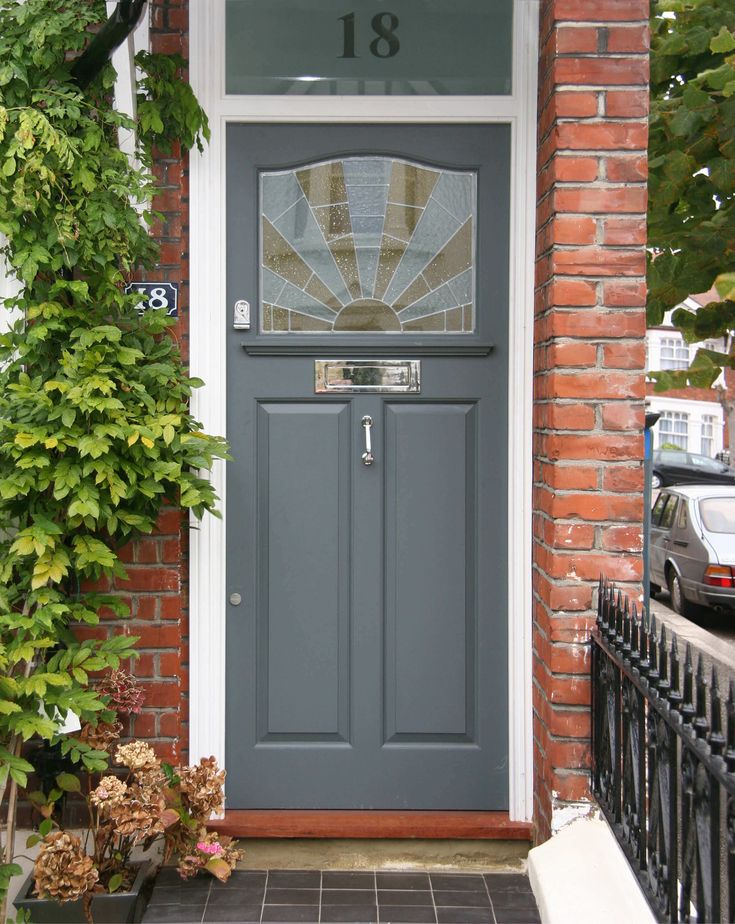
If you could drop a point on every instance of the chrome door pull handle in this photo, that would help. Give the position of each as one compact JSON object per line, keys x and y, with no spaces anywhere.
{"x":367,"y":456}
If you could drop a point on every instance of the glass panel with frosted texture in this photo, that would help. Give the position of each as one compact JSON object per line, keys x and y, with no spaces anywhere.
{"x":405,"y":47}
{"x":365,"y":245}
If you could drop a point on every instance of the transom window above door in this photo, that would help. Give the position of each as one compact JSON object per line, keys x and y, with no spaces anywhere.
{"x":358,"y":48}
{"x":367,"y":244}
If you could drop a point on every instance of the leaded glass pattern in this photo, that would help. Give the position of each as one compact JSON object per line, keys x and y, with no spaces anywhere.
{"x":368,"y":244}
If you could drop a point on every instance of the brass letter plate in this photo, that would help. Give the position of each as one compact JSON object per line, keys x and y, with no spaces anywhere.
{"x":371,"y":376}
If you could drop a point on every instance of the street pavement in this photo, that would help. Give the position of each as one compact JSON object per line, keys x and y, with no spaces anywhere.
{"x":713,"y":634}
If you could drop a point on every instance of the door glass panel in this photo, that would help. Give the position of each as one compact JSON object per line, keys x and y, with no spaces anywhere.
{"x":366,"y":245}
{"x":407,"y":47}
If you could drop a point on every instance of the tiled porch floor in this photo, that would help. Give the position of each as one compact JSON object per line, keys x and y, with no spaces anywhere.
{"x":333,"y":896}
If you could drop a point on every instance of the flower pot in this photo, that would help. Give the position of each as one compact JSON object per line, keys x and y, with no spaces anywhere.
{"x":118,"y":908}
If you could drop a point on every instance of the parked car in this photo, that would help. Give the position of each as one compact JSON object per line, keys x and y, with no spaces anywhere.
{"x":675,"y":466}
{"x":692,"y":548}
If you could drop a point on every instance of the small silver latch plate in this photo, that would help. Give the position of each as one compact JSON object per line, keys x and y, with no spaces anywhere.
{"x":241,"y":320}
{"x":376,"y":376}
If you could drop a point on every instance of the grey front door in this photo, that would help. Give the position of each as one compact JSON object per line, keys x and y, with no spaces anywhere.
{"x":367,"y":618}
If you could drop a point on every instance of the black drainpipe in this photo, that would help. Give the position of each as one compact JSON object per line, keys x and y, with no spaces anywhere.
{"x":114,"y":32}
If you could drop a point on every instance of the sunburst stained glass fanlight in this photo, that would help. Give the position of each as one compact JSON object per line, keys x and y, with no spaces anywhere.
{"x":367,"y":244}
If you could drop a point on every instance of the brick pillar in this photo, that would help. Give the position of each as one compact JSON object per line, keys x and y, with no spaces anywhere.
{"x":589,"y":382}
{"x":157,"y":566}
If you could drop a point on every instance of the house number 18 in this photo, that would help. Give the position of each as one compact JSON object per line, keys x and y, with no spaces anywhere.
{"x":384,"y":45}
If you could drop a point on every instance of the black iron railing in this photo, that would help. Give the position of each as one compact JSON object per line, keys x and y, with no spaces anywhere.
{"x":663,"y":771}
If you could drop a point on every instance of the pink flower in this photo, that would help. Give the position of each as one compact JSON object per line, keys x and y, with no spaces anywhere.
{"x":209,"y":848}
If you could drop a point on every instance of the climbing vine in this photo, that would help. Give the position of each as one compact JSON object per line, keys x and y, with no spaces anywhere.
{"x":95,"y":429}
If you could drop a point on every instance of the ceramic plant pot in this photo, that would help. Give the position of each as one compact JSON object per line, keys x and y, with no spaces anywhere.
{"x":118,"y":908}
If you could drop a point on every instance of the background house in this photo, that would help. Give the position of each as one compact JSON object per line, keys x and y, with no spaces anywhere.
{"x":691,"y":418}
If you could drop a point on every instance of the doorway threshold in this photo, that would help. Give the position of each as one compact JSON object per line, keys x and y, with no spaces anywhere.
{"x":407,"y":854}
{"x":302,"y":823}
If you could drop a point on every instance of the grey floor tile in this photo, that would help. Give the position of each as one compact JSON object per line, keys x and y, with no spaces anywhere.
{"x":285,"y":913}
{"x":404,"y":897}
{"x":163,"y":895}
{"x":225,"y":899}
{"x":291,"y":896}
{"x":348,"y":897}
{"x":240,"y":914}
{"x":416,"y":914}
{"x":402,"y":880}
{"x":507,"y":882}
{"x":348,"y":879}
{"x":241,"y":879}
{"x":463,"y":899}
{"x":295,"y":878}
{"x":514,"y":900}
{"x":359,"y":914}
{"x":174,"y":914}
{"x":456,"y":882}
{"x":168,"y":877}
{"x":517,"y":916}
{"x":460,"y":915}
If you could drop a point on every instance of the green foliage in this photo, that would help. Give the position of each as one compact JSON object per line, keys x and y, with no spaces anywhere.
{"x":164,"y":100}
{"x":95,"y":429}
{"x":691,"y":216}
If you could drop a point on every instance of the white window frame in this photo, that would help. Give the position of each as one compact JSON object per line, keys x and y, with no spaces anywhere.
{"x":709,"y":422}
{"x":680,"y":353}
{"x":670,"y":436}
{"x":210,"y":313}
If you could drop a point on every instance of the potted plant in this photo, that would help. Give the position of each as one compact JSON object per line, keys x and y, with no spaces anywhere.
{"x":93,"y":877}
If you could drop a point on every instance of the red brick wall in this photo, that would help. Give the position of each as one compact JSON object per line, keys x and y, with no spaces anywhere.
{"x":589,"y":359}
{"x":157,"y":566}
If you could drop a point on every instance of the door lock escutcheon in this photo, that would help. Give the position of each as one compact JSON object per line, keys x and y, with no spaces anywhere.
{"x":241,"y":318}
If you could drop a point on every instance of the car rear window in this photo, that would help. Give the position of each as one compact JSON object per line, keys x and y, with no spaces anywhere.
{"x":718,"y":514}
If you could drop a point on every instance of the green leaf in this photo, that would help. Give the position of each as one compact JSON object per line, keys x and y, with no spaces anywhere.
{"x":115,"y":882}
{"x":218,"y":868}
{"x":723,"y":42}
{"x":725,"y":285}
{"x":68,"y":782}
{"x":45,"y":827}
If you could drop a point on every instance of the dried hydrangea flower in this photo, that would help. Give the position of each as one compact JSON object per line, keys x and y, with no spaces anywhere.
{"x":137,"y":817}
{"x":124,"y":692}
{"x":101,"y":736}
{"x":201,"y":788}
{"x":152,"y":782}
{"x":63,"y":870}
{"x":136,"y":756}
{"x":111,"y":791}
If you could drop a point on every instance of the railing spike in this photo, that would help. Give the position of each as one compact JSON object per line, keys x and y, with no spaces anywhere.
{"x":635,"y":652}
{"x":644,"y":664}
{"x":663,"y":664}
{"x":619,"y":630}
{"x":701,"y":725}
{"x":653,"y":654}
{"x":687,"y":709}
{"x":626,"y":630}
{"x":675,"y":689}
{"x":730,"y":752}
{"x":717,"y":740}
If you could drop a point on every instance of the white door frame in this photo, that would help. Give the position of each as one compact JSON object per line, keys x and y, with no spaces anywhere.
{"x":209,"y":314}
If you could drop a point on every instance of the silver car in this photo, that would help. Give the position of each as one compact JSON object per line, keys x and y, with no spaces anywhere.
{"x":692,"y":550}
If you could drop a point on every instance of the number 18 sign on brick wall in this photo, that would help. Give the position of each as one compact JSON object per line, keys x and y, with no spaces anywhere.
{"x":156,"y":296}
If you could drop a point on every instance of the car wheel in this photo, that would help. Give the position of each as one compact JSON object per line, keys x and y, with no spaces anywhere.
{"x":656,"y":481}
{"x":679,"y":602}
